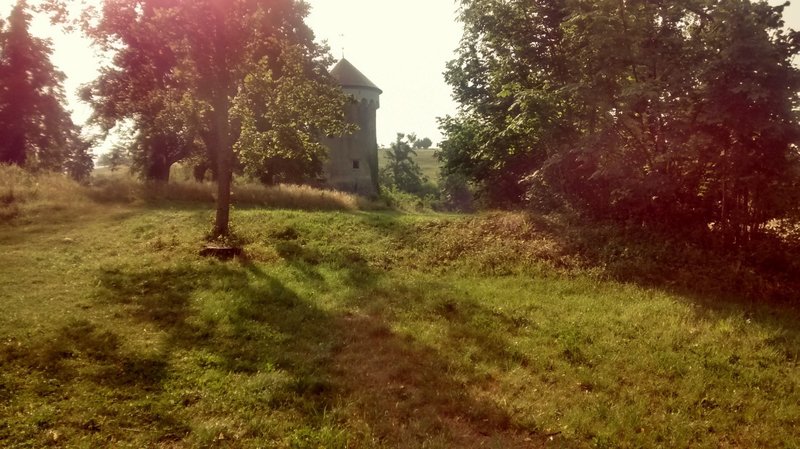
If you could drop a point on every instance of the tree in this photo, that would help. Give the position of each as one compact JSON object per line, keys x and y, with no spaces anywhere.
{"x":401,"y":171}
{"x":423,"y":143}
{"x":508,"y":53}
{"x":681,"y":113}
{"x":182,"y":66}
{"x":37,"y":130}
{"x":280,"y":130}
{"x":114,"y":159}
{"x":78,"y":163}
{"x":145,"y":91}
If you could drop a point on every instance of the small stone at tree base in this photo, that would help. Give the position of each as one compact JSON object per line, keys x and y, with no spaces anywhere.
{"x":222,"y":252}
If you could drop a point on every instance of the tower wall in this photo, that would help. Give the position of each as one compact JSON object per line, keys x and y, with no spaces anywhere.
{"x":352,"y":164}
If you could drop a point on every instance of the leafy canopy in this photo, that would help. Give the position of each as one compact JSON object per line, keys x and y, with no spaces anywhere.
{"x":679,"y":113}
{"x":187,"y":74}
{"x":37,"y":130}
{"x":400,"y":170}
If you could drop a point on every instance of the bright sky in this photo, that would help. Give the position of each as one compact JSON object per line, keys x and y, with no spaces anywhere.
{"x":401,"y":46}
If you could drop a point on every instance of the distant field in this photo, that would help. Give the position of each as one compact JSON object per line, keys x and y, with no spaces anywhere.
{"x":371,"y":329}
{"x":426,"y":160}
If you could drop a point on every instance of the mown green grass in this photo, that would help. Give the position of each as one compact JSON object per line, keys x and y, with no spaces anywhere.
{"x":371,"y":330}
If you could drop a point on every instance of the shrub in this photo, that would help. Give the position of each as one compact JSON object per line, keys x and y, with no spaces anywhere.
{"x":456,"y":194}
{"x":403,"y":201}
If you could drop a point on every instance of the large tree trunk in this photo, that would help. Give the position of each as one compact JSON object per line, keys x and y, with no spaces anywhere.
{"x":224,"y":179}
{"x":224,"y":165}
{"x":220,"y":88}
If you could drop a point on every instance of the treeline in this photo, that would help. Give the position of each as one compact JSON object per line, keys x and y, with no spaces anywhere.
{"x":226,"y":87}
{"x":679,"y":114}
{"x":36,"y":130}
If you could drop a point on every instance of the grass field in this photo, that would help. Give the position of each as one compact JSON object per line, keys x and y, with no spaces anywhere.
{"x":359,"y":329}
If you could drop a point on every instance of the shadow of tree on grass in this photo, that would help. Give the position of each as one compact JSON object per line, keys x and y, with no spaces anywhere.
{"x":404,"y":392}
{"x":339,"y":369}
{"x":77,"y":380}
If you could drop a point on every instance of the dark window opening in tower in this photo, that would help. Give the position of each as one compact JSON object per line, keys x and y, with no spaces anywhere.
{"x":356,"y":164}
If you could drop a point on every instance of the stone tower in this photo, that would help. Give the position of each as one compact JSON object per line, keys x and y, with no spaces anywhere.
{"x":353,"y":159}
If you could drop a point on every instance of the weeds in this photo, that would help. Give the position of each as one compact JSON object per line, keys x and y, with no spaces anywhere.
{"x":41,"y":196}
{"x":246,"y":195}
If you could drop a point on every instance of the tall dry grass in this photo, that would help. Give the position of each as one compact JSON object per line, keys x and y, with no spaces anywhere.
{"x":288,"y":196}
{"x":243,"y":195}
{"x":25,"y":193}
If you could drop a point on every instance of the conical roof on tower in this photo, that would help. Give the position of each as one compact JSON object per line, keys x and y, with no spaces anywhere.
{"x":349,"y":76}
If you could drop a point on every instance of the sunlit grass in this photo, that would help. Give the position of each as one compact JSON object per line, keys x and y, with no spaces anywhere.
{"x":249,"y":195}
{"x":50,"y":192}
{"x":376,"y":329}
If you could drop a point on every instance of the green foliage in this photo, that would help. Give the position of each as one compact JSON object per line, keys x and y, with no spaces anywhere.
{"x":426,"y":159}
{"x":172,"y":135}
{"x":148,"y":91}
{"x":280,"y":140}
{"x":399,"y":200}
{"x":180,"y":68}
{"x":400,"y":170}
{"x":37,"y":132}
{"x":679,"y":114}
{"x":456,"y":194}
{"x":79,"y":162}
{"x":496,"y":172}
